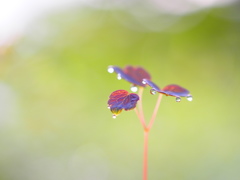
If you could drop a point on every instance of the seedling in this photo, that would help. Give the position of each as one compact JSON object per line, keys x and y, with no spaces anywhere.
{"x":123,"y":100}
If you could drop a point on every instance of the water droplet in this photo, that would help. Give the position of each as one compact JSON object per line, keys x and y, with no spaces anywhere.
{"x":134,"y":88}
{"x":153,"y":91}
{"x":144,"y":82}
{"x":108,"y":107}
{"x":110,"y":69}
{"x":178,"y":99}
{"x":114,"y":116}
{"x":119,"y":77}
{"x":189,"y":98}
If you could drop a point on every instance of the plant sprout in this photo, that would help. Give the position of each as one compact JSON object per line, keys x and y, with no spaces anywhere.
{"x":122,"y":99}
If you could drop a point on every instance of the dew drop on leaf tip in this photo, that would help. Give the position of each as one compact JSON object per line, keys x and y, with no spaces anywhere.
{"x":110,"y":69}
{"x":153,"y":91}
{"x":189,"y":98}
{"x":134,"y":88}
{"x":178,"y":99}
{"x":119,"y":77}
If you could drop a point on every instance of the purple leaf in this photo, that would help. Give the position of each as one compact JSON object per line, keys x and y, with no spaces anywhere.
{"x":122,"y":99}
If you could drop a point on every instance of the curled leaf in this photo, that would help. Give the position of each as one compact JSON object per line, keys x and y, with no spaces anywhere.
{"x":137,"y":73}
{"x":169,"y":90}
{"x":132,"y":74}
{"x":175,"y":90}
{"x":122,"y":99}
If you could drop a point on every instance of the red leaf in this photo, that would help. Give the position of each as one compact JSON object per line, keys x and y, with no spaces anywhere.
{"x":122,"y":99}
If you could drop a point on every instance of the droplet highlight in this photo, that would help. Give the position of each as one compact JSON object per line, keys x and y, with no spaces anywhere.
{"x":114,"y":116}
{"x":119,"y":77}
{"x":178,"y":99}
{"x":144,"y":82}
{"x":189,"y":98}
{"x":110,"y":69}
{"x":153,"y":91}
{"x":134,"y":88}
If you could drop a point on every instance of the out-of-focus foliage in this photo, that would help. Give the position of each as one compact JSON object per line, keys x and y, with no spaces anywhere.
{"x":54,"y":87}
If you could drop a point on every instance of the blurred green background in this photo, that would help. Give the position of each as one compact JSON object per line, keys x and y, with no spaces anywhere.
{"x":54,"y":87}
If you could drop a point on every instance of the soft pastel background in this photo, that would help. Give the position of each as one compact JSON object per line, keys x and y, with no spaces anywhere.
{"x":54,"y":86}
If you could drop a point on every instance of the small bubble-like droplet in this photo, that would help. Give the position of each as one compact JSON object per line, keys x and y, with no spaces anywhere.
{"x":134,"y":88}
{"x":110,"y":69}
{"x":108,"y":107}
{"x":114,"y":116}
{"x":119,"y":77}
{"x":144,"y":82}
{"x":153,"y":91}
{"x":189,"y":98}
{"x":178,"y":99}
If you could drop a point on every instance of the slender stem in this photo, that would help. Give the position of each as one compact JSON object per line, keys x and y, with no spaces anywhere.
{"x":147,"y":128}
{"x":140,"y":113}
{"x":145,"y":156}
{"x":155,"y":111}
{"x":141,"y":119}
{"x":140,"y":102}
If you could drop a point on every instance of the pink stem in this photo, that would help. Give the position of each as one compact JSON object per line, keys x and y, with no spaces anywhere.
{"x":141,"y":119}
{"x":145,"y":156}
{"x":140,"y":101}
{"x":140,"y":113}
{"x":147,"y":128}
{"x":155,"y":111}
